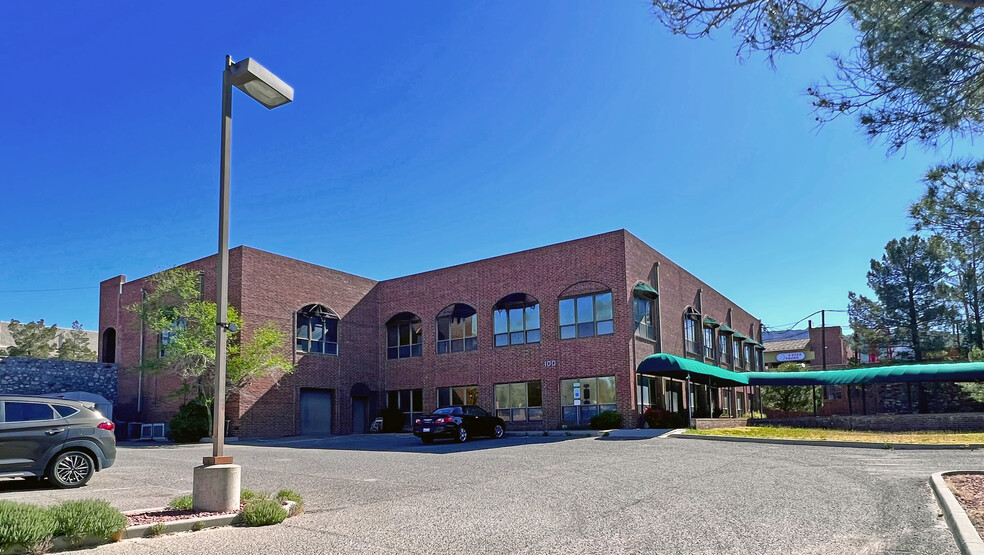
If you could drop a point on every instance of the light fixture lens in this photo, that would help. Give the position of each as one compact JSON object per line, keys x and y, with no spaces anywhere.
{"x":263,"y":93}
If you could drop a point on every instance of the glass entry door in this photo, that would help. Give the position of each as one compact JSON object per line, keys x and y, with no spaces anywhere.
{"x":583,"y":398}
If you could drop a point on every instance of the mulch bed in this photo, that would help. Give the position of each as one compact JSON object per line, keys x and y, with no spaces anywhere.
{"x":167,"y":515}
{"x":969,"y":490}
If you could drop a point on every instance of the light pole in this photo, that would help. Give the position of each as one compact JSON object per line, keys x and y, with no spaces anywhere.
{"x":216,"y":483}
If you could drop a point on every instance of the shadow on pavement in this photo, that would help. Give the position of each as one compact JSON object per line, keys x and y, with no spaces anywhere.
{"x":9,"y":485}
{"x":399,"y":443}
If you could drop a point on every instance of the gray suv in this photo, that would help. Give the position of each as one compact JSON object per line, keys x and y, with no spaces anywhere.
{"x":64,"y":441}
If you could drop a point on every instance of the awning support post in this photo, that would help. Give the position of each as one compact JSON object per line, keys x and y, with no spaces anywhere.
{"x":690,"y":403}
{"x":813,"y":388}
{"x":864,"y":400}
{"x":850,"y":402}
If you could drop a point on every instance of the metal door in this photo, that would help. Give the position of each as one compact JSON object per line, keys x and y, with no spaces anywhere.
{"x":359,"y":415}
{"x":315,"y":412}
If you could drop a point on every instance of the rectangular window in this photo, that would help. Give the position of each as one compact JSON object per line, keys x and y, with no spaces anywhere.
{"x":748,"y":358}
{"x":517,"y":325}
{"x":690,"y":335}
{"x":409,"y":401}
{"x":723,"y":349}
{"x":708,"y":343}
{"x":519,"y":401}
{"x":168,"y":336}
{"x":586,"y":316}
{"x":450,"y":396}
{"x":736,"y":352}
{"x":457,"y":335}
{"x":583,"y":398}
{"x":403,"y":340}
{"x":27,"y":412}
{"x":643,"y":314}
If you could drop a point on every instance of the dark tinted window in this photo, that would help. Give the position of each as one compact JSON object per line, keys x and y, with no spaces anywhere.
{"x":26,"y":412}
{"x":65,"y":411}
{"x":475,"y":411}
{"x":448,"y":410}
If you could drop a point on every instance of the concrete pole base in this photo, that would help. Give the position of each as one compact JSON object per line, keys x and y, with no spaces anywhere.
{"x":215,"y":488}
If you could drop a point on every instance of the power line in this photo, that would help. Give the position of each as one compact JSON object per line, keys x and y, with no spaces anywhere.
{"x":48,"y":290}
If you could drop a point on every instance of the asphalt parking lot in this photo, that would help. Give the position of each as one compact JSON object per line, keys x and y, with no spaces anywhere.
{"x":390,"y":494}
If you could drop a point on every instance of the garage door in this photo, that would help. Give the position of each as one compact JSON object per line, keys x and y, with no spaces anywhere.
{"x":315,"y":412}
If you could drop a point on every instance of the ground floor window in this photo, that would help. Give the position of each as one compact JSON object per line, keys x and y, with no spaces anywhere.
{"x":519,"y":401}
{"x":740,"y":403}
{"x":726,"y":404}
{"x":647,"y":394}
{"x":672,"y":401}
{"x":449,"y":396}
{"x":583,"y":398}
{"x":409,"y":401}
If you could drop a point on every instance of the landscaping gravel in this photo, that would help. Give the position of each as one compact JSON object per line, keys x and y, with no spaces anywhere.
{"x":969,"y":490}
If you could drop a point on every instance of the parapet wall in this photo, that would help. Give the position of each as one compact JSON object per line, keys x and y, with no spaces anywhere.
{"x":955,"y":422}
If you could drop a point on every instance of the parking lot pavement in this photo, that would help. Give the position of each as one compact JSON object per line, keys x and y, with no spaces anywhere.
{"x":390,"y":494}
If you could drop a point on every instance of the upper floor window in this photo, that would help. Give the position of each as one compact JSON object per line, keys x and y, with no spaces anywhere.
{"x":736,"y":351}
{"x":723,"y":349}
{"x":642,"y":308}
{"x":403,"y":336}
{"x":709,"y":342}
{"x":690,"y":334}
{"x":168,"y":336}
{"x":317,"y":330}
{"x":586,"y":316}
{"x":748,"y":358}
{"x":457,"y":329}
{"x":516,"y":320}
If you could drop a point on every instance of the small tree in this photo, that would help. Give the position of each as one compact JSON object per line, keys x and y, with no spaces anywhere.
{"x":788,"y":398}
{"x":32,"y":339}
{"x":185,"y":325}
{"x":75,"y":345}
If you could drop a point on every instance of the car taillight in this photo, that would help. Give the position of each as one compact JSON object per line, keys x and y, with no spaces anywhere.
{"x":109,"y":426}
{"x":447,"y":420}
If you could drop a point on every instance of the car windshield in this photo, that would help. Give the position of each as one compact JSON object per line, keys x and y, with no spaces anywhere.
{"x":448,"y":410}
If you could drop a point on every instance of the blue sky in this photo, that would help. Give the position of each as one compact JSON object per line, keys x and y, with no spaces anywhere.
{"x":424,"y":135}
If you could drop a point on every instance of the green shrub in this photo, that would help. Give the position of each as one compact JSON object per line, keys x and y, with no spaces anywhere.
{"x":190,"y":424}
{"x":659,"y":418}
{"x":290,"y":495}
{"x":247,"y":495}
{"x":26,"y":525}
{"x":392,"y":419}
{"x":606,"y":420}
{"x":183,"y":503}
{"x":77,"y":520}
{"x":263,"y":512}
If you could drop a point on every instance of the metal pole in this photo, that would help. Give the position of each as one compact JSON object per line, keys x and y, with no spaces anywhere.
{"x":823,"y":339}
{"x":850,"y":402}
{"x":814,"y":389}
{"x":222,"y":301}
{"x":864,"y":400}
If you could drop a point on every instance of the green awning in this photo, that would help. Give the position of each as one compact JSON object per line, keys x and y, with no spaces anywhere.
{"x":751,"y":341}
{"x":725,"y":329}
{"x":740,"y":336}
{"x":944,"y":372}
{"x":662,"y":364}
{"x":708,"y":321}
{"x":645,"y":288}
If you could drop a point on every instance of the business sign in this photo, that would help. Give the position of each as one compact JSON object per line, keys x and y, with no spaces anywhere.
{"x":790,"y":357}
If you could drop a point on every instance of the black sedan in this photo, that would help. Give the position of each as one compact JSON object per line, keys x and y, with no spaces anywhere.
{"x":458,"y":422}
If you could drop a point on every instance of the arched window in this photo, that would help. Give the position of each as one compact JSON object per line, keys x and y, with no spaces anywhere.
{"x":457,"y":329}
{"x":403,"y":336}
{"x":109,"y":345}
{"x":516,"y":320}
{"x":317,"y":330}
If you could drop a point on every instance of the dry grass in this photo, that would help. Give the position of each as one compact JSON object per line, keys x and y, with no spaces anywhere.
{"x":949,"y":438}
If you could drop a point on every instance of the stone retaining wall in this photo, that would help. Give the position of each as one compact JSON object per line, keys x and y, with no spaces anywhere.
{"x":35,"y":376}
{"x":716,"y":423}
{"x":956,"y":422}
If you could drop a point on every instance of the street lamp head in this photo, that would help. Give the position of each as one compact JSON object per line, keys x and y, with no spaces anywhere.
{"x":257,"y":81}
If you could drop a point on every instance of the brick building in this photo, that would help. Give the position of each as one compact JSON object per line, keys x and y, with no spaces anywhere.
{"x":542,"y":337}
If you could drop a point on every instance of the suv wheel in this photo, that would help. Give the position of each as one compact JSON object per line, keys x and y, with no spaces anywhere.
{"x":71,"y":469}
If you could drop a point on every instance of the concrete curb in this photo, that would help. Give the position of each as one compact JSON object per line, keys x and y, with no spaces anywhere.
{"x":963,"y":530}
{"x":557,"y":433}
{"x":825,"y":443}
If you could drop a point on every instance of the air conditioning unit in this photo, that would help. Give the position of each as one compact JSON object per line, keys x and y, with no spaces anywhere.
{"x":159,"y":433}
{"x":133,"y":430}
{"x":146,"y":431}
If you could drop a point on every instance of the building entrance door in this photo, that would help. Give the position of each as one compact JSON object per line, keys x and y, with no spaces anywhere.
{"x":315,"y":412}
{"x":359,"y":409}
